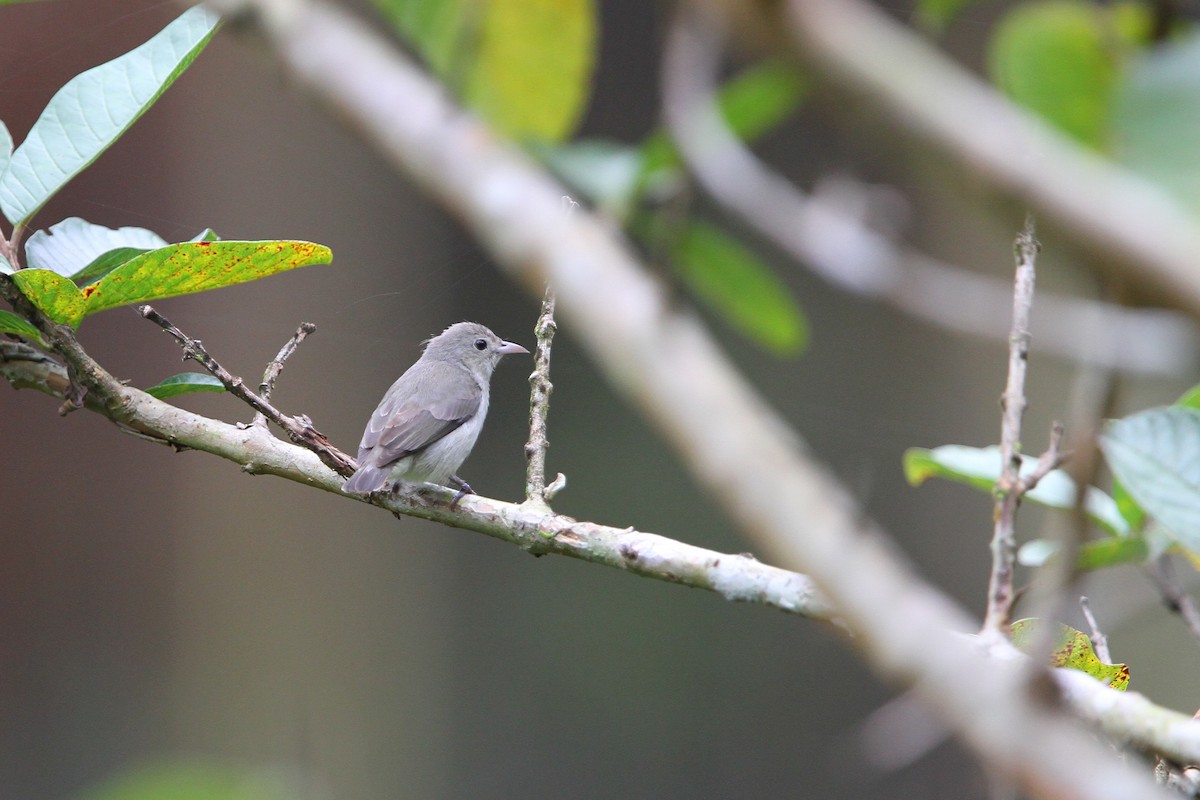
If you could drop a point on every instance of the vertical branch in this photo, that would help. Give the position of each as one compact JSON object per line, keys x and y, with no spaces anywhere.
{"x":539,"y":404}
{"x":275,"y":366}
{"x":1008,"y":489}
{"x":536,"y":490}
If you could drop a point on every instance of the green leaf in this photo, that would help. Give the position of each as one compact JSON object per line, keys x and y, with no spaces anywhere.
{"x":1098,"y":554}
{"x":935,"y":15}
{"x":761,"y":96}
{"x":185,"y":383}
{"x":435,"y":27}
{"x":97,"y":248}
{"x":1071,"y":649}
{"x":1190,"y":398}
{"x":1156,"y":456}
{"x":740,"y":288}
{"x":533,"y":68}
{"x":11,"y":323}
{"x":752,"y":103}
{"x":104,"y":264}
{"x":1061,"y":60}
{"x":1156,"y":117}
{"x":199,"y":266}
{"x":1113,"y":552}
{"x":1132,"y":513}
{"x":980,"y":467}
{"x":70,"y":246}
{"x":57,"y":297}
{"x":166,"y":272}
{"x":92,"y":111}
{"x":193,"y":780}
{"x":525,"y":65}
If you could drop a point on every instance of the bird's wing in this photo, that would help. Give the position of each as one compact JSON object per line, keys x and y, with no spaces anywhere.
{"x":409,"y":421}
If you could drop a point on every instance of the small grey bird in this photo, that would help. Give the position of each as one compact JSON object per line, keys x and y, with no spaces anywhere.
{"x":427,"y":423}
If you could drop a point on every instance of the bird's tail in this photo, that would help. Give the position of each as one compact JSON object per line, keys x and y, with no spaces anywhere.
{"x":368,"y":479}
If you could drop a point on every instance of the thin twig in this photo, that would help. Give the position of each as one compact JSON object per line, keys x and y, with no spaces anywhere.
{"x":1047,"y":462}
{"x":1054,"y":587}
{"x":1099,"y":639}
{"x":298,"y":429}
{"x":536,"y":491}
{"x":1178,"y":600}
{"x":271,"y":374}
{"x":1009,"y":488}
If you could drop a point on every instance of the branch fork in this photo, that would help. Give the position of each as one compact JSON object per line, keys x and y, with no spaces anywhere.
{"x":298,"y":428}
{"x":1012,"y":486}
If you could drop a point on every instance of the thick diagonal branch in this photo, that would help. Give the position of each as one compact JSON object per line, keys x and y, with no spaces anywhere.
{"x":1130,"y":228}
{"x":818,"y":231}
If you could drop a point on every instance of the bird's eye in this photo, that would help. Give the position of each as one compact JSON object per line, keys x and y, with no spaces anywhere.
{"x":481,"y":344}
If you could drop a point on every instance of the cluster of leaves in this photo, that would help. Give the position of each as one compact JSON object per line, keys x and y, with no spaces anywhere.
{"x":1153,"y":509}
{"x":1154,"y":506}
{"x":1098,"y":73}
{"x":639,"y":185}
{"x":76,"y":268}
{"x":1126,"y":84}
{"x":525,"y":65}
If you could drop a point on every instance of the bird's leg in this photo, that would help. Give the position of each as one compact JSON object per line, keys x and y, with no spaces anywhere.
{"x":464,"y":488}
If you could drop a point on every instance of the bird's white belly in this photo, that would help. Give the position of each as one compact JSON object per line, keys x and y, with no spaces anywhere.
{"x":437,"y":462}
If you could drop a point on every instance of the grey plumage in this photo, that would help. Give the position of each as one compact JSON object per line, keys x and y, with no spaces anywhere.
{"x":428,"y":421}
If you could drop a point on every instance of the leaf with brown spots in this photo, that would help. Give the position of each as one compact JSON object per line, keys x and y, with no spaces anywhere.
{"x":167,"y":272}
{"x":57,"y":297}
{"x":1072,"y":649}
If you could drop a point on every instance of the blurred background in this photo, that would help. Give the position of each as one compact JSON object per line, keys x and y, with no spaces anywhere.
{"x":165,"y":615}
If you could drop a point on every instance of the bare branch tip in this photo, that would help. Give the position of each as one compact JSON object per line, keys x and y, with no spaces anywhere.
{"x":554,"y":487}
{"x":1027,"y":246}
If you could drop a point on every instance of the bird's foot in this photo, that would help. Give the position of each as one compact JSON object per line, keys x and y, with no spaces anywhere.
{"x":464,"y":489}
